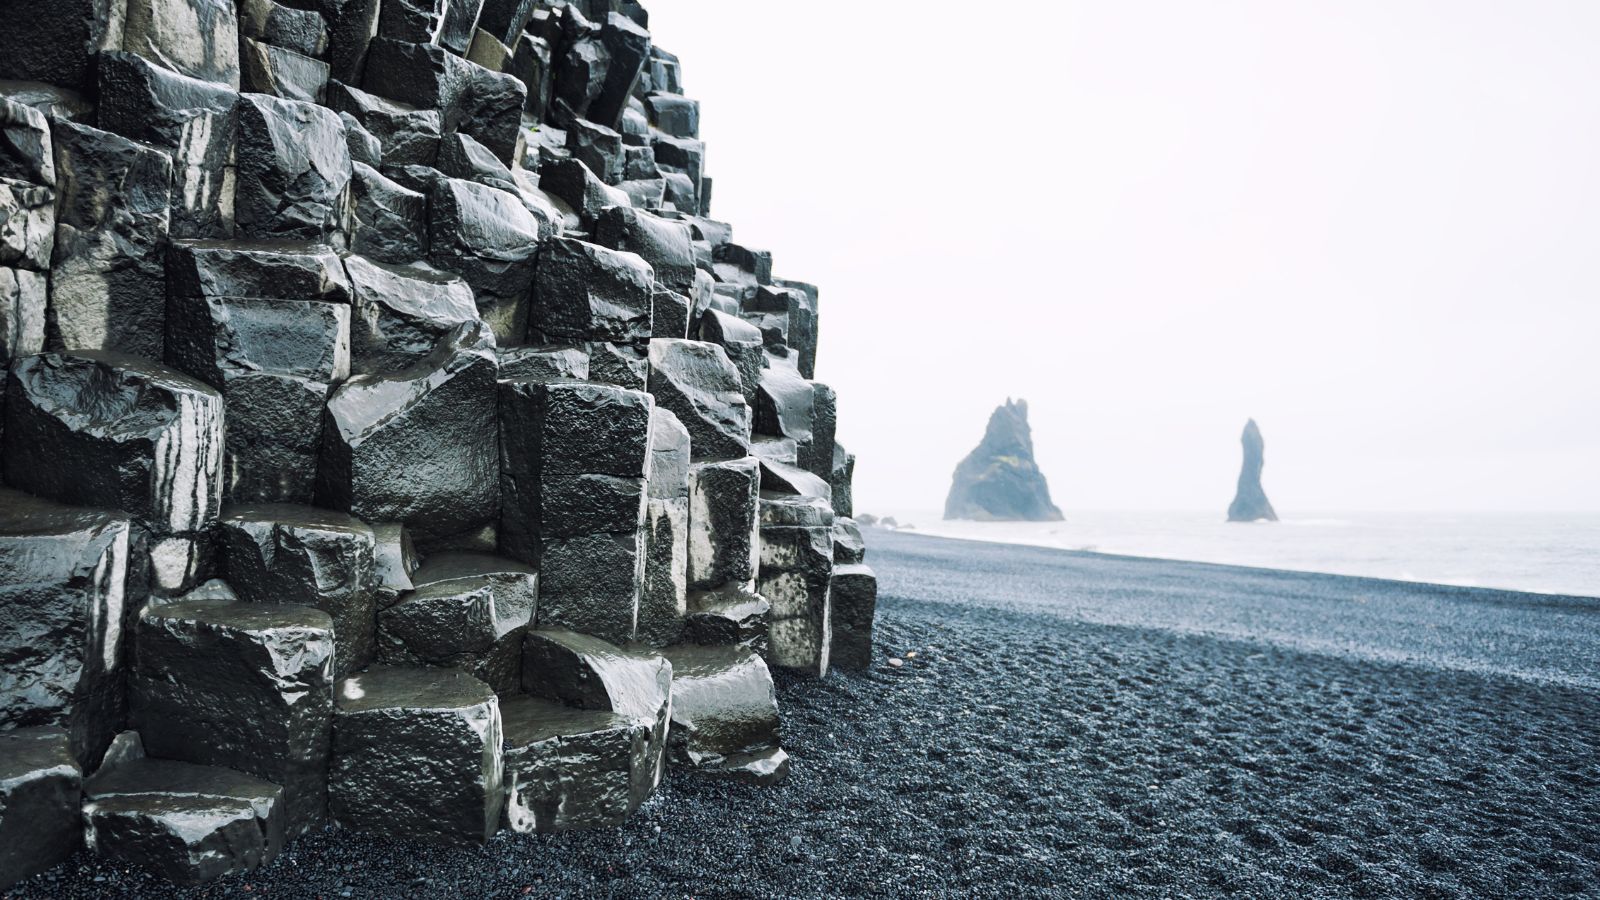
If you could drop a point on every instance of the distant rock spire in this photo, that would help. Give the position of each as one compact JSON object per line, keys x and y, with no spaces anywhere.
{"x":1250,"y":504}
{"x":999,"y":481}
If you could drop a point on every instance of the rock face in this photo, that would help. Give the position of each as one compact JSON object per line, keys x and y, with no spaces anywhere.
{"x":384,"y":420}
{"x":1250,"y":503}
{"x":999,"y":481}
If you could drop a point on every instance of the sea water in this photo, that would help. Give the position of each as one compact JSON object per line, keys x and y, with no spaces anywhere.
{"x":1552,"y":553}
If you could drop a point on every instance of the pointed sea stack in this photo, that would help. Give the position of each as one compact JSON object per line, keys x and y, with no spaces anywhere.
{"x":1250,"y":504}
{"x":999,"y":481}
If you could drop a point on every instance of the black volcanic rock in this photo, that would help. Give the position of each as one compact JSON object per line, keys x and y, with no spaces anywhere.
{"x":999,"y":481}
{"x":1250,"y":504}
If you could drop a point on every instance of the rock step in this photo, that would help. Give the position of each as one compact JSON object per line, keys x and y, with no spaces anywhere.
{"x":725,"y":714}
{"x":569,"y":769}
{"x":466,"y":611}
{"x":39,"y":784}
{"x":188,"y":823}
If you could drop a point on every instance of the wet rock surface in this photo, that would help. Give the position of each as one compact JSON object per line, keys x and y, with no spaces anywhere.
{"x":999,"y":481}
{"x":39,"y":789}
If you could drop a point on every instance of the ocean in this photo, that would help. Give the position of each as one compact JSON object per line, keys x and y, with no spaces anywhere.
{"x":1550,"y":553}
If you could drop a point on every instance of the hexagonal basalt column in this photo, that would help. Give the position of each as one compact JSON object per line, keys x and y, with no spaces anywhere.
{"x":417,"y":755}
{"x":467,"y":611}
{"x":725,"y":714}
{"x":39,"y":819}
{"x":569,"y":769}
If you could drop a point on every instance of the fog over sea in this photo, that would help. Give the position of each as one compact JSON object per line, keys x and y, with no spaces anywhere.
{"x":1551,"y":553}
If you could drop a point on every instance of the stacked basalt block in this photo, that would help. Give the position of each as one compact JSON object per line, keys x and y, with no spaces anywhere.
{"x":390,"y":438}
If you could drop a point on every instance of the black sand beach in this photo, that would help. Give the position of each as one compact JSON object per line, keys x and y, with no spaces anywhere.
{"x":1078,"y":725}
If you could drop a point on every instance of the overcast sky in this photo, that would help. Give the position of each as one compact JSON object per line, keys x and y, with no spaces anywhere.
{"x":1373,"y":225}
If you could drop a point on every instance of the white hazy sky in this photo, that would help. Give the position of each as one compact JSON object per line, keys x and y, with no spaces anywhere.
{"x":1373,"y":225}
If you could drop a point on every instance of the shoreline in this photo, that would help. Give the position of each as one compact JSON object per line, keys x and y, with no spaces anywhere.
{"x":1584,"y":599}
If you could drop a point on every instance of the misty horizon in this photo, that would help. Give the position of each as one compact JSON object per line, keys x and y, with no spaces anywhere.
{"x":1369,"y":227}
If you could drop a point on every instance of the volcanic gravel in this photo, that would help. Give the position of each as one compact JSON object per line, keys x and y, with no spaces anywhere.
{"x":1033,"y":744}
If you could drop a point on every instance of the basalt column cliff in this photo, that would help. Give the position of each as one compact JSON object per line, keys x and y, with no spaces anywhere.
{"x":391,"y":438}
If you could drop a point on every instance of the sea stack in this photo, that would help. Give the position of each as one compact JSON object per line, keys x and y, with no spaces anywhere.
{"x":1250,"y":504}
{"x":999,"y":481}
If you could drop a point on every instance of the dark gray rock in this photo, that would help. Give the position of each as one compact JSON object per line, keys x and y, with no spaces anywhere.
{"x":731,"y":615}
{"x":723,"y":506}
{"x":662,"y":243}
{"x":586,"y":292}
{"x":627,"y":48}
{"x":588,"y":673}
{"x":107,"y":288}
{"x":186,"y":823}
{"x":669,"y":314}
{"x":489,"y":108}
{"x":841,"y":478}
{"x":620,"y":365}
{"x":571,"y":181}
{"x":785,"y":406}
{"x":669,"y":457}
{"x":24,"y":296}
{"x":195,"y":121}
{"x":294,"y":170}
{"x":999,"y":481}
{"x":663,"y":593}
{"x":274,"y":362}
{"x":743,"y":344}
{"x":420,"y":446}
{"x":267,"y":270}
{"x":408,"y":135}
{"x":505,"y":20}
{"x":39,"y":820}
{"x":817,"y":456}
{"x":352,"y":24}
{"x":592,"y":583}
{"x":854,"y":598}
{"x":300,"y":30}
{"x":467,"y":611}
{"x":490,"y":239}
{"x":849,"y":548}
{"x":735,"y":264}
{"x":796,"y":569}
{"x":401,"y":313}
{"x":27,"y":226}
{"x":793,"y":509}
{"x":725,"y":714}
{"x":197,"y":38}
{"x":55,"y":41}
{"x":459,"y":23}
{"x":573,"y":428}
{"x":599,"y":148}
{"x":247,"y":686}
{"x":390,"y":220}
{"x":394,"y":562}
{"x":281,"y":553}
{"x":570,"y":769}
{"x":572,"y":505}
{"x":475,"y":100}
{"x":280,"y":72}
{"x":698,"y":383}
{"x":544,"y":362}
{"x":95,"y":428}
{"x":364,"y":146}
{"x":780,"y":478}
{"x":461,"y":156}
{"x":531,"y":64}
{"x":674,"y":114}
{"x":1250,"y":503}
{"x":417,"y":756}
{"x":412,"y":21}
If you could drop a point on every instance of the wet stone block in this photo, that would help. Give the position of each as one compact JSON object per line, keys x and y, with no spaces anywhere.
{"x":247,"y":686}
{"x":263,"y":270}
{"x":195,"y":121}
{"x":544,"y":362}
{"x":39,"y":819}
{"x":490,"y":239}
{"x":743,"y":344}
{"x":591,"y":583}
{"x":663,"y":594}
{"x":281,"y":72}
{"x":63,"y":596}
{"x":197,"y":38}
{"x":468,"y":612}
{"x":104,"y":429}
{"x":401,"y":313}
{"x":854,"y":599}
{"x":419,"y":446}
{"x":282,"y":553}
{"x":390,"y":219}
{"x":574,"y":428}
{"x":569,"y":769}
{"x":696,"y":382}
{"x":23,"y":299}
{"x":586,"y":292}
{"x":664,"y":244}
{"x":294,"y":170}
{"x":108,"y":284}
{"x":796,"y":570}
{"x":588,"y":673}
{"x":723,"y":508}
{"x":849,"y":547}
{"x":417,"y":756}
{"x":408,"y":135}
{"x":728,"y":616}
{"x":622,"y":365}
{"x":725,"y":714}
{"x":300,"y":30}
{"x":27,"y":226}
{"x":274,"y":362}
{"x":187,"y":823}
{"x":841,"y":478}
